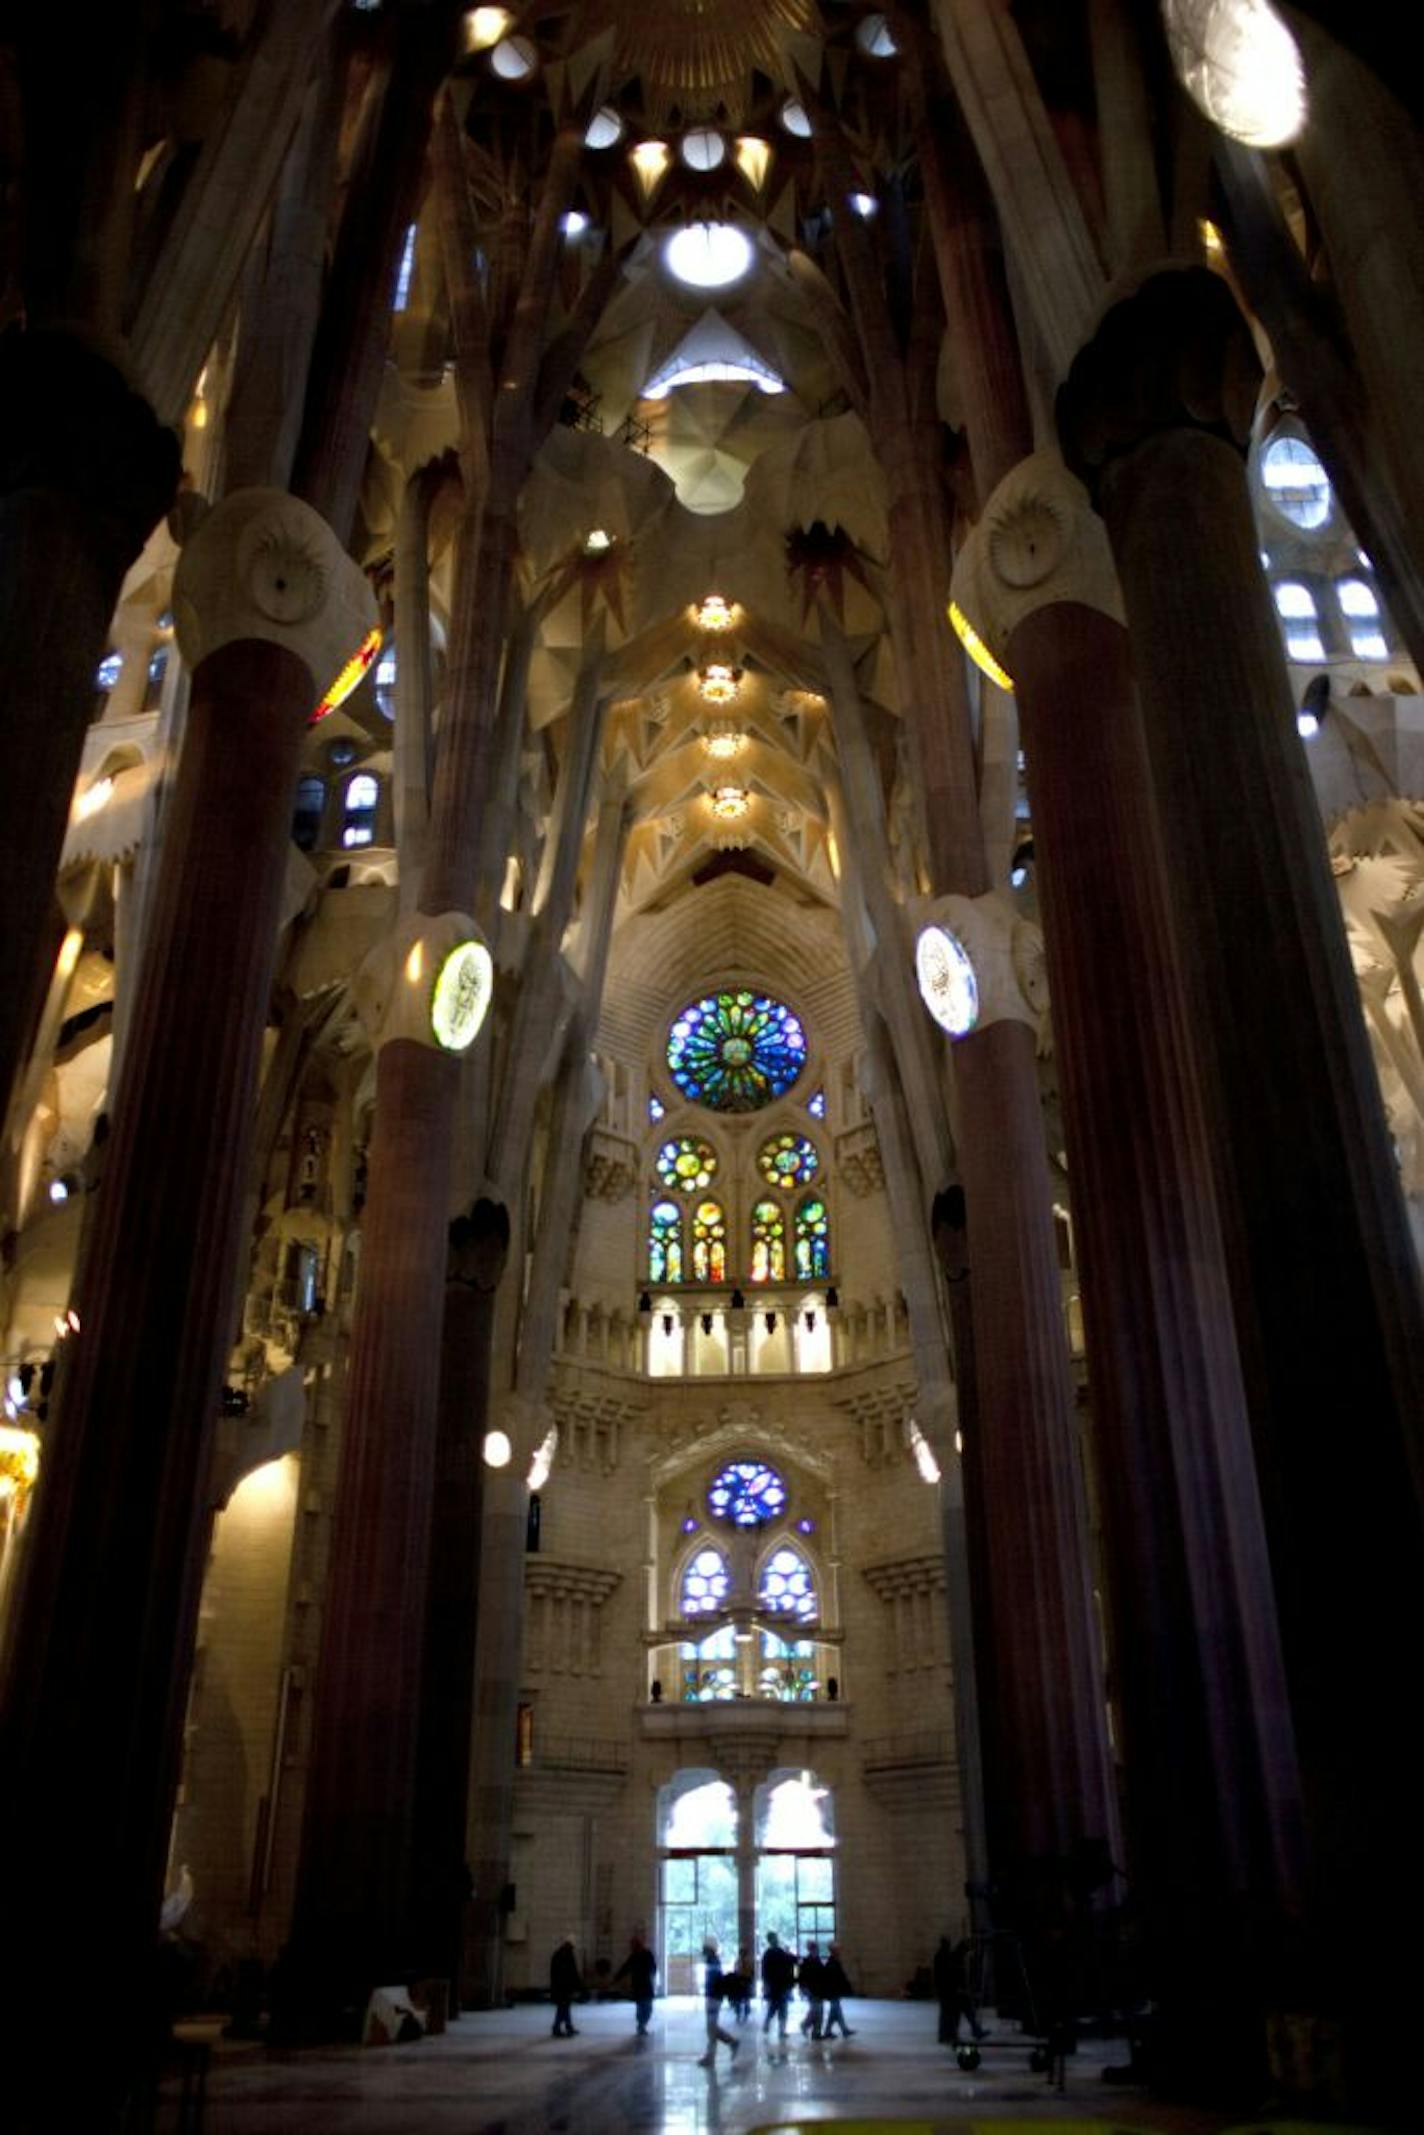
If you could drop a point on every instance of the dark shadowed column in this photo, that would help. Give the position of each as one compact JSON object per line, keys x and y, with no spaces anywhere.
{"x":267,"y":608}
{"x":1155,"y":415}
{"x":85,"y":473}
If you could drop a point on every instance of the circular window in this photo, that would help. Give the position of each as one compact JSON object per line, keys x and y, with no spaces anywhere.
{"x":605,"y":128}
{"x":872,"y":34}
{"x":1296,"y":483}
{"x":708,"y":255}
{"x":703,"y":149}
{"x":735,"y":1052}
{"x":686,"y":1165}
{"x":788,"y":1160}
{"x":747,"y":1493}
{"x":948,"y":986}
{"x":514,"y":59}
{"x":796,"y":119}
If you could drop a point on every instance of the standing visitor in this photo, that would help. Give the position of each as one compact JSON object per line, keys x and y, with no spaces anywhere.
{"x":809,"y":1980}
{"x":951,"y":1979}
{"x":778,"y":1977}
{"x":565,"y":1981}
{"x":640,"y":1968}
{"x":712,"y":1978}
{"x":834,"y":1984}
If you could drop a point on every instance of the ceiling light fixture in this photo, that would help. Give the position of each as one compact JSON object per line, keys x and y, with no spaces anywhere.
{"x":484,"y":26}
{"x":753,"y":159}
{"x":719,"y":682}
{"x":729,"y":803}
{"x":723,"y":740}
{"x":714,"y":613}
{"x":650,"y":160}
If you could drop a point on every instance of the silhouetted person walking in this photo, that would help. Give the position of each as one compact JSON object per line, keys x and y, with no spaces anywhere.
{"x":834,"y":1984}
{"x":565,"y":1981}
{"x":640,"y":1968}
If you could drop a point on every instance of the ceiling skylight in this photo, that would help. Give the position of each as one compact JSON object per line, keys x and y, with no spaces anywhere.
{"x":708,"y":255}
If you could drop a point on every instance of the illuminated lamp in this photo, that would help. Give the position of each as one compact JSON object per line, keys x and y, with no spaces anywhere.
{"x":723,"y":740}
{"x":753,"y":159}
{"x":497,"y":1449}
{"x":714,"y":613}
{"x":351,"y":676}
{"x":865,"y":205}
{"x":597,"y":542}
{"x":1241,"y":67}
{"x":484,"y":26}
{"x":574,"y":223}
{"x":729,"y":803}
{"x":977,"y":650}
{"x":650,"y":160}
{"x":719,"y":682}
{"x":949,"y":986}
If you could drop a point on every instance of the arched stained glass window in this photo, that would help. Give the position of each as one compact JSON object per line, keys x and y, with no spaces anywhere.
{"x":736,"y":1051}
{"x":788,"y":1669}
{"x":748,"y":1492}
{"x":665,"y":1243}
{"x":813,"y":1240}
{"x":816,"y":1104}
{"x":709,"y":1243}
{"x":362,"y":799}
{"x":709,"y":1672}
{"x":768,"y":1243}
{"x":786,"y":1586}
{"x":788,"y":1160}
{"x":686,"y":1165}
{"x":704,"y":1583}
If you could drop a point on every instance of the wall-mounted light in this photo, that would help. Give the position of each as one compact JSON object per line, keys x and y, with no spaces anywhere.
{"x":770,"y":1319}
{"x":833,"y":1299}
{"x":645,"y":1302}
{"x":706,"y":1323}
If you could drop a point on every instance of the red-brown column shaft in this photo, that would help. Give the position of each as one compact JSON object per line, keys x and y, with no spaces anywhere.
{"x":1325,"y":1283}
{"x":1213,"y":1805}
{"x":105,"y":1620}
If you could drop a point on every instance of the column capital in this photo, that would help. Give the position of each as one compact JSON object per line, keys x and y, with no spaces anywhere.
{"x":1173,"y":353}
{"x":430,"y":981}
{"x":1004,"y":949}
{"x":264,"y":565}
{"x":1038,"y":542}
{"x":71,"y":421}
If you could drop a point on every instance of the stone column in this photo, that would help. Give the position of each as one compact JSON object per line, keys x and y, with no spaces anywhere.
{"x":85,"y":471}
{"x":1155,"y":415}
{"x":1213,"y":1806}
{"x":356,"y":1916}
{"x":268,"y":611}
{"x":479,"y":1245}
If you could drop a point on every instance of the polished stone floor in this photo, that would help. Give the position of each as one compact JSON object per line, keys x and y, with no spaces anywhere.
{"x":502,"y":2074}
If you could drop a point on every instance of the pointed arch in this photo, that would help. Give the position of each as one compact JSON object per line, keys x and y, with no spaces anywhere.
{"x":768,"y":1263}
{"x":813,"y":1240}
{"x":786,"y":1583}
{"x":704,"y":1580}
{"x":665,"y":1261}
{"x":709,"y":1242}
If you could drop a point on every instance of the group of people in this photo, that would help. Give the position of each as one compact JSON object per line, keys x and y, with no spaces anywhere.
{"x":822,"y":1982}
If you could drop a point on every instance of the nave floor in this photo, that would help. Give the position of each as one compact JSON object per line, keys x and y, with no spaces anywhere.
{"x":502,"y":2074}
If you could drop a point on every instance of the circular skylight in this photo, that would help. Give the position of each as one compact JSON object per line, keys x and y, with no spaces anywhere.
{"x":708,"y":255}
{"x":514,"y":59}
{"x":1240,"y":64}
{"x":796,"y":119}
{"x":1296,"y":483}
{"x":703,"y":149}
{"x":604,"y":128}
{"x":873,"y":36}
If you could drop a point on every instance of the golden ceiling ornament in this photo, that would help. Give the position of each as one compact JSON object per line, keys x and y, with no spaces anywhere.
{"x":692,"y":48}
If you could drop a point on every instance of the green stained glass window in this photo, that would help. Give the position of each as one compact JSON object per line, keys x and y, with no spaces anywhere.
{"x":768,"y":1243}
{"x":788,"y":1160}
{"x":736,"y":1051}
{"x":813,"y":1241}
{"x":665,"y":1242}
{"x":686,"y":1165}
{"x":709,"y":1243}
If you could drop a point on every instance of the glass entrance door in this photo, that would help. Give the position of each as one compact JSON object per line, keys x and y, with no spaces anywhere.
{"x":699,"y":1898}
{"x":796,"y":1899}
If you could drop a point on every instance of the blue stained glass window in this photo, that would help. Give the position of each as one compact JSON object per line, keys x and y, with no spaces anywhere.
{"x":816,"y":1104}
{"x":704,"y":1583}
{"x":656,"y":1108}
{"x":736,"y":1051}
{"x":665,"y":1243}
{"x":747,"y":1493}
{"x":813,"y":1241}
{"x":786,"y":1585}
